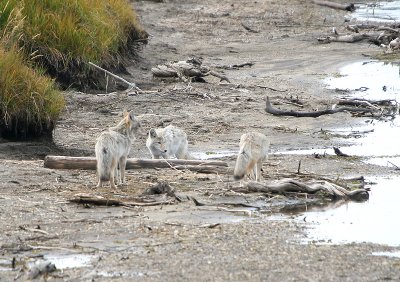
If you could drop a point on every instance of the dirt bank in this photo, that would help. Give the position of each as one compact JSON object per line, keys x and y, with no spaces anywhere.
{"x":181,"y":241}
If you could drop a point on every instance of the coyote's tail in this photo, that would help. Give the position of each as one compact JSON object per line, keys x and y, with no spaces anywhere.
{"x":244,"y":165}
{"x":104,"y":160}
{"x":241,"y":165}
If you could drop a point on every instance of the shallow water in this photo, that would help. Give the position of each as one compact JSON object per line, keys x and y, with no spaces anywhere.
{"x":387,"y":254}
{"x":379,"y":146}
{"x":369,"y":79}
{"x":63,"y":261}
{"x":377,"y":11}
{"x":373,"y":221}
{"x":213,"y":154}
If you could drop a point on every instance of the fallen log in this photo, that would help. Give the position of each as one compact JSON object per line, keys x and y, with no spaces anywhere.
{"x":347,"y":7}
{"x":291,"y":185}
{"x":277,"y":112}
{"x":89,"y":163}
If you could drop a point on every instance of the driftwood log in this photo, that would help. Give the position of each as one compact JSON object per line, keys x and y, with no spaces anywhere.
{"x":291,"y":185}
{"x":189,"y":70}
{"x":277,"y":112}
{"x":89,"y":163}
{"x":385,"y":36}
{"x":347,"y":7}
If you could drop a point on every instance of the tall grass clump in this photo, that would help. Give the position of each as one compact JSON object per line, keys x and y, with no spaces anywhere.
{"x":30,"y":102}
{"x":62,"y":36}
{"x":57,"y":38}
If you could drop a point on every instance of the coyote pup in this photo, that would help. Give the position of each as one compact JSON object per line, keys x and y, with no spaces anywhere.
{"x":167,"y":143}
{"x":253,"y":151}
{"x":112,"y":149}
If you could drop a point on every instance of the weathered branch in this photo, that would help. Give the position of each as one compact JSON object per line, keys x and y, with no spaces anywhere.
{"x":130,"y":84}
{"x":277,"y":112}
{"x":89,"y":163}
{"x":339,"y":6}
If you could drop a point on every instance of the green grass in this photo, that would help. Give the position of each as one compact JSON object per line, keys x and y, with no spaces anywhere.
{"x":57,"y":38}
{"x":62,"y":36}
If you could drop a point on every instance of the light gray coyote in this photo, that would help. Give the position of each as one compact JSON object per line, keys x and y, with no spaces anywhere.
{"x":112,"y":149}
{"x":253,"y":151}
{"x":167,"y":143}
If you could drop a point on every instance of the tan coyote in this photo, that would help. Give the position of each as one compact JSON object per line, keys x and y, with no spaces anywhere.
{"x":253,"y":151}
{"x":112,"y":149}
{"x":167,"y":143}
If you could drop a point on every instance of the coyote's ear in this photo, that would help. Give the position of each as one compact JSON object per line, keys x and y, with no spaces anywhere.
{"x":131,"y":115}
{"x":153,"y":133}
{"x":128,"y":115}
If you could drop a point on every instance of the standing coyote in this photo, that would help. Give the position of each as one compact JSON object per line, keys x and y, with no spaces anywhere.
{"x":167,"y":143}
{"x":253,"y":151}
{"x":112,"y":149}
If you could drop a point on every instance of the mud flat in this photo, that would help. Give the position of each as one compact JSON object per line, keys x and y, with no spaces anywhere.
{"x":183,"y":241}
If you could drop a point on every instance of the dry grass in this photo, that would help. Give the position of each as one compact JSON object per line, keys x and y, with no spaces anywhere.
{"x":29,"y":101}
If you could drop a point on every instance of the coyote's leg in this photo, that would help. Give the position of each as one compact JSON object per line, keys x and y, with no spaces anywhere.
{"x":259,"y":167}
{"x":112,"y":173}
{"x":182,"y":152}
{"x":181,"y":155}
{"x":117,"y":175}
{"x":122,"y":166}
{"x":251,"y":175}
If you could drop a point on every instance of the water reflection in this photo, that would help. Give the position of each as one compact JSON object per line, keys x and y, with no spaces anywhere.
{"x":373,"y":221}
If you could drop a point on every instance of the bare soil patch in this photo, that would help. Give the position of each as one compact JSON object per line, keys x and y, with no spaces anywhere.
{"x":183,"y":241}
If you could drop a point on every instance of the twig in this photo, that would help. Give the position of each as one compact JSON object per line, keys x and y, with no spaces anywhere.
{"x":50,"y":248}
{"x":130,"y":84}
{"x":220,"y":76}
{"x":33,"y":230}
{"x":246,"y":27}
{"x":235,"y":66}
{"x":396,"y":167}
{"x":271,"y":88}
